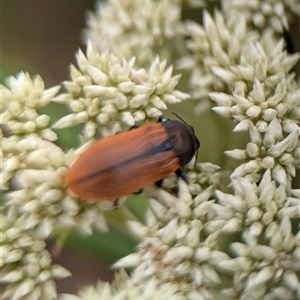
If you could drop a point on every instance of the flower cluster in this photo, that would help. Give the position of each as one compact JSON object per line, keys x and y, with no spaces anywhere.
{"x":143,"y":29}
{"x":123,"y":287}
{"x":108,"y":93}
{"x":266,"y":270}
{"x":26,"y":263}
{"x":225,"y":53}
{"x":252,"y":207}
{"x":174,"y":247}
{"x":184,"y":251}
{"x":262,"y":14}
{"x":19,"y":104}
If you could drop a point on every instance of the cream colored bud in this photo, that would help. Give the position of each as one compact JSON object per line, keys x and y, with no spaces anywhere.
{"x":253,"y":111}
{"x":223,"y":111}
{"x":121,"y":101}
{"x":268,"y":162}
{"x":252,"y":149}
{"x":82,"y":117}
{"x":286,"y":159}
{"x":138,"y":100}
{"x":269,"y":114}
{"x":262,"y":126}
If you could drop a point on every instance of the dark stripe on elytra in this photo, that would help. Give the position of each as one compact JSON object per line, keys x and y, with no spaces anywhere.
{"x":165,"y":146}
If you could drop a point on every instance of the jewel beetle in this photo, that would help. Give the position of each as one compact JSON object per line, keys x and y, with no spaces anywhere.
{"x":122,"y":164}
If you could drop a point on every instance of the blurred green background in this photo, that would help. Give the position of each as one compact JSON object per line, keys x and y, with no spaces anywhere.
{"x":41,"y":37}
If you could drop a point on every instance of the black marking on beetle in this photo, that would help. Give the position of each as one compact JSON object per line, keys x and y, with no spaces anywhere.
{"x":165,"y":146}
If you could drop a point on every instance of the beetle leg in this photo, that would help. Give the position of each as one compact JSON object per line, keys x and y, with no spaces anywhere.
{"x":116,"y":203}
{"x":159,"y":183}
{"x":180,"y":174}
{"x":139,"y":191}
{"x":134,"y":127}
{"x":160,"y":119}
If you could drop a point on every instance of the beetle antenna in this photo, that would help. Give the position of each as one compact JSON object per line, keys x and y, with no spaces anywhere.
{"x":196,"y":159}
{"x":180,"y":118}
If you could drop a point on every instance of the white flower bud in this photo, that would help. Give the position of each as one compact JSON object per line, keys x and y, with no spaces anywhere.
{"x":281,"y":109}
{"x":262,"y":126}
{"x":290,"y":212}
{"x":210,"y":273}
{"x":67,"y":121}
{"x":242,"y":101}
{"x":177,"y":254}
{"x":253,"y":111}
{"x":59,"y":271}
{"x":289,"y":126}
{"x":238,"y":112}
{"x":221,"y":99}
{"x":279,"y":148}
{"x":267,"y":218}
{"x":258,"y":91}
{"x":103,"y":118}
{"x":90,"y":129}
{"x":275,"y":99}
{"x":131,"y":260}
{"x":97,"y":75}
{"x":222,"y":211}
{"x":290,"y":279}
{"x":263,"y":275}
{"x":286,"y":159}
{"x":159,"y":210}
{"x":153,"y":112}
{"x":170,"y":98}
{"x":223,"y":111}
{"x":158,"y":103}
{"x":233,"y":225}
{"x":246,"y":72}
{"x":255,"y":135}
{"x":252,"y":149}
{"x":202,"y":209}
{"x":223,"y":74}
{"x":252,"y":166}
{"x":202,"y":253}
{"x":279,"y":174}
{"x":121,"y":101}
{"x":127,"y":118}
{"x":275,"y":129}
{"x":282,"y":292}
{"x":76,"y":106}
{"x":182,"y":231}
{"x":213,"y":226}
{"x":269,"y":140}
{"x":139,"y":116}
{"x":254,"y":213}
{"x":256,"y":229}
{"x":169,"y":232}
{"x":242,"y":126}
{"x":268,"y":162}
{"x":269,"y":114}
{"x":126,"y":86}
{"x":103,"y":92}
{"x":180,"y":95}
{"x":24,"y":288}
{"x":109,"y":109}
{"x":295,"y":192}
{"x":138,"y":100}
{"x":293,"y":140}
{"x":193,"y":237}
{"x":183,"y":209}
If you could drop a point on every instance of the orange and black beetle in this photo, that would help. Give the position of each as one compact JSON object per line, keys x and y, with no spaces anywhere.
{"x":124,"y":163}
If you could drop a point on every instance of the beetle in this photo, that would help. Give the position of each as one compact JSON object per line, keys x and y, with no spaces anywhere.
{"x":122,"y":164}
